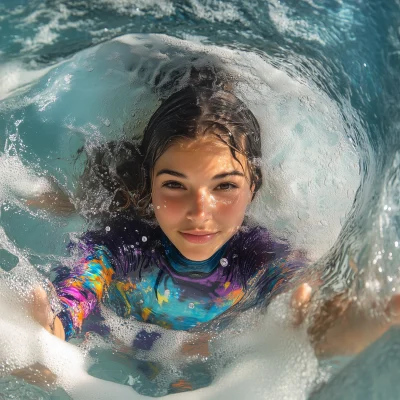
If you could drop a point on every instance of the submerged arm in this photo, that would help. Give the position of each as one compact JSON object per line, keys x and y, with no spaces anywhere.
{"x":52,"y":198}
{"x":342,"y":327}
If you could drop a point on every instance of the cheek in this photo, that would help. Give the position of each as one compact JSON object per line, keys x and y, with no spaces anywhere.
{"x":231,"y":211}
{"x":167,"y":208}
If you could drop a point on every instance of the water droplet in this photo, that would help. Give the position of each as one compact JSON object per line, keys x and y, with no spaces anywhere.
{"x":144,"y":239}
{"x":223,"y":262}
{"x":191,"y":305}
{"x":131,"y":379}
{"x":167,"y":292}
{"x":106,"y":122}
{"x":108,"y":229}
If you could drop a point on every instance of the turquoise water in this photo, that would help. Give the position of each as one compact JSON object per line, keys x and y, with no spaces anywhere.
{"x":322,"y":79}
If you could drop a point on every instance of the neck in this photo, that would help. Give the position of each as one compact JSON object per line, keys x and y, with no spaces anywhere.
{"x":182,"y":264}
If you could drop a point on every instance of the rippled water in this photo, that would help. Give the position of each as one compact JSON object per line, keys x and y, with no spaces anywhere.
{"x":321,"y":77}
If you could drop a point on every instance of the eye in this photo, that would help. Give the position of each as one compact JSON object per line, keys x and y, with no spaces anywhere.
{"x":173,"y":185}
{"x":226,"y":186}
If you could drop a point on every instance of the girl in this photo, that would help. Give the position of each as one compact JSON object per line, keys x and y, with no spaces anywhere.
{"x":199,"y":170}
{"x":195,"y":259}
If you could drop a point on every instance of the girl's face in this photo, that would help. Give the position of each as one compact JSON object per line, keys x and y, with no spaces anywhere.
{"x":200,"y":194}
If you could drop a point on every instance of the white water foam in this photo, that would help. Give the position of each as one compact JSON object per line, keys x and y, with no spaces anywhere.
{"x":15,"y":76}
{"x":216,"y":11}
{"x":48,"y":24}
{"x":156,"y":8}
{"x":280,"y":16}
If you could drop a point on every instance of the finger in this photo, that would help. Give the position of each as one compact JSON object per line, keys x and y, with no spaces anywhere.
{"x":300,"y":300}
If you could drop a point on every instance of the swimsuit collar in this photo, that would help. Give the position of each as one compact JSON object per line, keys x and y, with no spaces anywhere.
{"x":183,"y":265}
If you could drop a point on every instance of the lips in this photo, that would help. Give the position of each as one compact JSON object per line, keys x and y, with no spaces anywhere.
{"x":198,"y":237}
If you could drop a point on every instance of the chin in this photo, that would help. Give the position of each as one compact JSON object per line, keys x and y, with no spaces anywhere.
{"x":198,"y":254}
{"x":195,"y":256}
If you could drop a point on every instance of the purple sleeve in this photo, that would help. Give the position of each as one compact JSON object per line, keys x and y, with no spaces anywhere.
{"x":267,"y":265}
{"x":104,"y":256}
{"x":81,"y":288}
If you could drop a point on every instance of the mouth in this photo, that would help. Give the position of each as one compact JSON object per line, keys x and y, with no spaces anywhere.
{"x":198,"y":237}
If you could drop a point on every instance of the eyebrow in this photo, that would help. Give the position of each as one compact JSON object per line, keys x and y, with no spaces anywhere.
{"x":171,"y":172}
{"x":230,"y":173}
{"x":218,"y":176}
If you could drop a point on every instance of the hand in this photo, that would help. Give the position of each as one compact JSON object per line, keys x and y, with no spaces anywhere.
{"x":198,"y":346}
{"x":41,"y":312}
{"x":36,"y":374}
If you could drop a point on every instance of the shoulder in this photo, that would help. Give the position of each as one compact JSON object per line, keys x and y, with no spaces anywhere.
{"x":258,"y":241}
{"x":117,"y":234}
{"x":128,"y":245}
{"x":266,"y":263}
{"x":254,"y":249}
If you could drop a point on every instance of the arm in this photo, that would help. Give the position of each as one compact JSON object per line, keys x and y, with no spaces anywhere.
{"x":52,"y":198}
{"x":42,"y":313}
{"x":342,"y":327}
{"x":106,"y":255}
{"x":80,"y":289}
{"x":56,"y":202}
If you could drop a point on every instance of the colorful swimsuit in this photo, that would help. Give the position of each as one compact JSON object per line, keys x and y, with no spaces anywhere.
{"x":136,"y":271}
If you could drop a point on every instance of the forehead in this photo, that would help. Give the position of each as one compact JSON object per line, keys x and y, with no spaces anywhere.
{"x":207,"y":153}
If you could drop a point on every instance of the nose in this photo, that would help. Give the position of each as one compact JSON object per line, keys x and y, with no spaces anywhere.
{"x":200,"y":208}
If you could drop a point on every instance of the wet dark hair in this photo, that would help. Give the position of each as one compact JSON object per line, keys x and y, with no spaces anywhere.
{"x":124,"y":168}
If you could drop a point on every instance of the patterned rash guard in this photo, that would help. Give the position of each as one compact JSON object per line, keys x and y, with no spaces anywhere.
{"x":136,"y":271}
